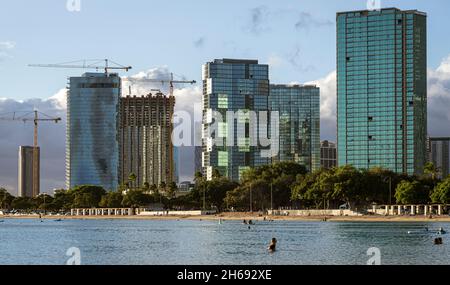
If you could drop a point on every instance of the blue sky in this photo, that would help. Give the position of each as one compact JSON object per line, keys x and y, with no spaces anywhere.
{"x":183,"y":35}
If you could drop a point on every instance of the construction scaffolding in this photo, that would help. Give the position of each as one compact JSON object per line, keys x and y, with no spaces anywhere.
{"x":146,"y":145}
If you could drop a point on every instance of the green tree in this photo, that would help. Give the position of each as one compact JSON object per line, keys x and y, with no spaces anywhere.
{"x":441,"y":194}
{"x":172,"y":190}
{"x":136,"y":199}
{"x":63,"y":200}
{"x":6,"y":199}
{"x":87,"y":196}
{"x":408,"y":192}
{"x":111,"y":200}
{"x":132,"y":180}
{"x":431,"y":170}
{"x":23,"y":203}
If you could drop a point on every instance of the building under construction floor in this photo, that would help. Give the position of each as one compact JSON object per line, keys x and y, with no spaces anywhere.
{"x":146,"y":148}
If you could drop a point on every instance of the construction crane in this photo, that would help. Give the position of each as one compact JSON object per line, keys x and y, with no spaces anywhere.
{"x":171,"y":83}
{"x":37,"y":117}
{"x":87,"y":64}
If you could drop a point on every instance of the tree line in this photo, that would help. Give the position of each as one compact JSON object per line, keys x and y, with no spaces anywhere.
{"x":283,"y":184}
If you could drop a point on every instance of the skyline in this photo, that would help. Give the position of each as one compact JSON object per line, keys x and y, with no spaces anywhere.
{"x":254,"y":23}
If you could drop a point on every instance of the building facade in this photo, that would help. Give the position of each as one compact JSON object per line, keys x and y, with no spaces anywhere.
{"x":92,"y":154}
{"x":232,"y":86}
{"x":146,"y":148}
{"x":328,"y":155}
{"x":439,"y":155}
{"x":26,"y":157}
{"x":299,"y":128}
{"x":382,"y":89}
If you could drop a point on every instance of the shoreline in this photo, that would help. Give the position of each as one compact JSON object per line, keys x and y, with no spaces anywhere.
{"x":245,"y":216}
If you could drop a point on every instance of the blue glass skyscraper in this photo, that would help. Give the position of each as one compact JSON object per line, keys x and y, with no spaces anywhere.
{"x":92,"y":146}
{"x":382,"y":89}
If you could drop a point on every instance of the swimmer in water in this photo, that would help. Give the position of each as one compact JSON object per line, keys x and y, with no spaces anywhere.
{"x":273,"y":245}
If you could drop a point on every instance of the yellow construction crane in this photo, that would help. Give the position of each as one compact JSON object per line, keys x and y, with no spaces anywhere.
{"x":37,"y":117}
{"x":87,"y":64}
{"x":171,"y":83}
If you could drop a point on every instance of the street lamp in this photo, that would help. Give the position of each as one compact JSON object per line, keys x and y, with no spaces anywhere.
{"x":251,"y":199}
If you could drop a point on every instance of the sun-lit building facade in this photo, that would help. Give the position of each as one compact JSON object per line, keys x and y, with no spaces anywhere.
{"x":382,"y":89}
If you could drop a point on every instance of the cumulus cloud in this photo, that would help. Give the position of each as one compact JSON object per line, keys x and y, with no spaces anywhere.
{"x":327,"y":87}
{"x":439,"y":99}
{"x":5,"y":49}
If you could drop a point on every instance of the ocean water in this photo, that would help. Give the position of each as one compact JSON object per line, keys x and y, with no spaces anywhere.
{"x":144,"y":242}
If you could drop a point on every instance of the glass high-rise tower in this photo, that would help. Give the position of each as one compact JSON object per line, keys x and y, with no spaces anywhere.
{"x":92,"y":144}
{"x":299,"y":129}
{"x":232,"y":85}
{"x":382,"y":89}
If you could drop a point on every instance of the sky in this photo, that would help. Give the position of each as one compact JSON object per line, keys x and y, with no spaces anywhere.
{"x":296,"y":37}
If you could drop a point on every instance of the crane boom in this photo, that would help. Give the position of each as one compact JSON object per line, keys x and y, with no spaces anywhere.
{"x":85,"y":65}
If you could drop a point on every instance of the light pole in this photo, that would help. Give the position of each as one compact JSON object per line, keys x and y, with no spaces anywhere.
{"x":204,"y":197}
{"x":251,"y":199}
{"x":271,"y":197}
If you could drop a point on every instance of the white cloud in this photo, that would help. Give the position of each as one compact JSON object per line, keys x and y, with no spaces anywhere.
{"x":5,"y":48}
{"x":328,"y":95}
{"x":7,"y":45}
{"x":439,"y":99}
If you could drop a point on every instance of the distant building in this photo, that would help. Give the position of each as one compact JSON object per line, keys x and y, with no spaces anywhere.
{"x":186,"y":186}
{"x":232,"y":85}
{"x":299,"y":111}
{"x":146,"y":147}
{"x":382,"y":89}
{"x":198,"y":159}
{"x":26,"y":157}
{"x":328,"y":155}
{"x":439,"y":155}
{"x":92,"y":148}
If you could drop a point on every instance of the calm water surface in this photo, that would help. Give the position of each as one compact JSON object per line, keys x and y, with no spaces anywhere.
{"x":206,"y":242}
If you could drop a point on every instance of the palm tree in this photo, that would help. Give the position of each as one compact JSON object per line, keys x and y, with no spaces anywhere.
{"x":431,"y":170}
{"x":132,"y":179}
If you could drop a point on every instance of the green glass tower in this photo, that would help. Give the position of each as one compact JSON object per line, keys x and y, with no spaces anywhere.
{"x":382,"y":89}
{"x":236,"y":86}
{"x":299,"y":129}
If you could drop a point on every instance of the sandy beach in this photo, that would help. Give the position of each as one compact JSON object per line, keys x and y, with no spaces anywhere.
{"x":248,"y":216}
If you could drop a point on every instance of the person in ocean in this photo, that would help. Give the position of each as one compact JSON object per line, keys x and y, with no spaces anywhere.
{"x":273,"y":245}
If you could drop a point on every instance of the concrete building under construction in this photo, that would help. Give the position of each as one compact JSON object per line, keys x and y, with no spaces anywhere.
{"x":146,"y":148}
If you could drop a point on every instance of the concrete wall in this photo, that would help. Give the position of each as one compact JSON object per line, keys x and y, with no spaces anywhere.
{"x":177,"y":213}
{"x":307,"y":213}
